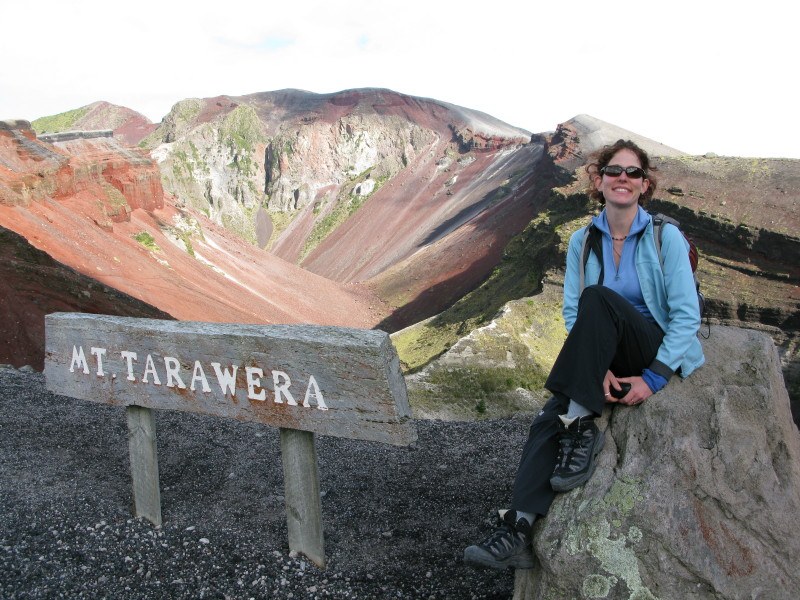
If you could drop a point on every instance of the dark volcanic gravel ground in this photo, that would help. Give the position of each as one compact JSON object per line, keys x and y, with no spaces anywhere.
{"x":396,"y":519}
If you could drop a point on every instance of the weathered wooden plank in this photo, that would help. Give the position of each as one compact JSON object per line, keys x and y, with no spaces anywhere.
{"x":329,"y":380}
{"x":144,"y":463}
{"x":301,"y":490}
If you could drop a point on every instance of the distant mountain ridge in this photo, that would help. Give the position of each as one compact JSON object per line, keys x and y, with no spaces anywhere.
{"x":127,"y":124}
{"x":401,"y":208}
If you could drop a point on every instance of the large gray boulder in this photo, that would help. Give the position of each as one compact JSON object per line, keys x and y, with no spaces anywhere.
{"x":696,"y":493}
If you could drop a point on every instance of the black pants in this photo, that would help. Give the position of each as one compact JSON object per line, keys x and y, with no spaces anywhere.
{"x":609,"y":333}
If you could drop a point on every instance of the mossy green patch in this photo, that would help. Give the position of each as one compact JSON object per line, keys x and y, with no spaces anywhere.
{"x":616,"y":556}
{"x":185,"y":111}
{"x":597,"y":586}
{"x":147,"y":240}
{"x":61,"y":122}
{"x":623,"y":495}
{"x":241,"y":130}
{"x":114,"y":196}
{"x":483,"y":383}
{"x":153,"y":139}
{"x":498,"y":369}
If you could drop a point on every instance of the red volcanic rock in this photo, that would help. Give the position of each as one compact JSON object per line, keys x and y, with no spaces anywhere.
{"x":67,"y":221}
{"x":96,"y":167}
{"x":33,"y":285}
{"x":128,"y":170}
{"x":28,"y":170}
{"x":135,"y":129}
{"x":564,"y":145}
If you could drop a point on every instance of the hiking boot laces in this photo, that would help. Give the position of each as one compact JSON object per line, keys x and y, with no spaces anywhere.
{"x":579,"y":445}
{"x":568,"y":442}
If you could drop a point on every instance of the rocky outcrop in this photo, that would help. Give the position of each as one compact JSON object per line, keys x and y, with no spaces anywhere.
{"x":119,"y":179}
{"x":29,"y":169}
{"x":469,"y":140}
{"x":321,"y":156}
{"x":212,"y":159}
{"x":574,"y":140}
{"x":695,"y":495}
{"x":11,"y":124}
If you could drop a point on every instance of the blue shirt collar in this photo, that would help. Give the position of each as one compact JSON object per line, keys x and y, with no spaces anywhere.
{"x":639,"y":224}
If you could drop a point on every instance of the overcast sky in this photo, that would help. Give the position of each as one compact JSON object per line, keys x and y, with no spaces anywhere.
{"x":700,"y":76}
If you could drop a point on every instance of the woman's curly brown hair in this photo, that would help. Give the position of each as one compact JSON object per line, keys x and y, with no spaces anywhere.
{"x":603,"y":156}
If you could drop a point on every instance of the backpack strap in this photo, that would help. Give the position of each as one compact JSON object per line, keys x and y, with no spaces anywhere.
{"x":658,"y":223}
{"x":584,"y":258}
{"x":592,"y":240}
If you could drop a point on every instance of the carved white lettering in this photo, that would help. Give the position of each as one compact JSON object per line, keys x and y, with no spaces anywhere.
{"x":99,"y":353}
{"x":226,"y":379}
{"x":129,"y":357}
{"x":150,"y":369}
{"x":78,"y":360}
{"x":254,"y":375}
{"x":199,"y":375}
{"x":282,"y":388}
{"x":314,"y":388}
{"x":173,"y":366}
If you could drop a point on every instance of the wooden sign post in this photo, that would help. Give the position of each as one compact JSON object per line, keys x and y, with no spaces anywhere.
{"x":303,"y":379}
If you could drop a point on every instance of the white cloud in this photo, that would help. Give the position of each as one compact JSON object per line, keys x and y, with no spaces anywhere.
{"x":699,"y":76}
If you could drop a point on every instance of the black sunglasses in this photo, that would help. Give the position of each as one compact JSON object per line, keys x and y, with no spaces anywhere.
{"x":616,"y":171}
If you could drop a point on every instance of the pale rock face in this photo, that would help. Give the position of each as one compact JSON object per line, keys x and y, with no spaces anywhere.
{"x":318,"y":156}
{"x":216,"y":176}
{"x":696,"y":493}
{"x":365,"y":188}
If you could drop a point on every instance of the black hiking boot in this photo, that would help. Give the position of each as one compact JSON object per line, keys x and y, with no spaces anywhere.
{"x":508,"y":546}
{"x":578,"y":447}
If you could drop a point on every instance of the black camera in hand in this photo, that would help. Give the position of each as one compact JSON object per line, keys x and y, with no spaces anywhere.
{"x":618,"y":394}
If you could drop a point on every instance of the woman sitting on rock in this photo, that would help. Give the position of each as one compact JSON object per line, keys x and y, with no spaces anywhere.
{"x":630,"y":329}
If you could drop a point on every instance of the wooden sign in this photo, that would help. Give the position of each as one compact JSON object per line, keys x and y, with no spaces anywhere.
{"x":303,"y":379}
{"x":330,"y":380}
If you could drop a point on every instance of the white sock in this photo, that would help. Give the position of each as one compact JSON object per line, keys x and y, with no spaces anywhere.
{"x":529,"y":517}
{"x":577,"y":410}
{"x":567,"y":421}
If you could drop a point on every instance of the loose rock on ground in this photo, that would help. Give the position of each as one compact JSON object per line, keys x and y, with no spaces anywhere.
{"x":396,"y":519}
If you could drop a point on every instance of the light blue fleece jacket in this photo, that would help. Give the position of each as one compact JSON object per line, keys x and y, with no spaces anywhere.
{"x":669,"y":295}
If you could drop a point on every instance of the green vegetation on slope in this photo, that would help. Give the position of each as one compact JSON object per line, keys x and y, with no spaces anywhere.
{"x":239,"y":132}
{"x":540,"y":247}
{"x":175,"y":124}
{"x":346,"y":205}
{"x":61,"y":122}
{"x":147,"y":240}
{"x":474,"y":392}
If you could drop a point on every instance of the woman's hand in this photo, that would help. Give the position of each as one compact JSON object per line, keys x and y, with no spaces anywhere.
{"x":638,"y":393}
